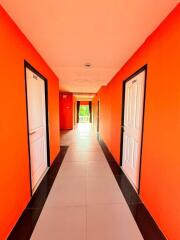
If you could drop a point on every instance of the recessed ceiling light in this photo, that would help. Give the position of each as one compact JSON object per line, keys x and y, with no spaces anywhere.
{"x":87,"y":65}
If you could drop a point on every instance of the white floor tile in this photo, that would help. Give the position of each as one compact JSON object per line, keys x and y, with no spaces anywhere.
{"x":73,"y":169}
{"x":98,"y":169}
{"x":111,"y":222}
{"x":63,"y":223}
{"x":67,"y":191}
{"x":102,"y":190}
{"x":84,"y":156}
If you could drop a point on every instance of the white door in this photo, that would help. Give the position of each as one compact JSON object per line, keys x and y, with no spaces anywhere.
{"x":132,"y":129}
{"x":37,"y":125}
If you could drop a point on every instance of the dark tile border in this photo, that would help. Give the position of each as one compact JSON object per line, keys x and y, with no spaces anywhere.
{"x":144,"y":221}
{"x":27,"y":222}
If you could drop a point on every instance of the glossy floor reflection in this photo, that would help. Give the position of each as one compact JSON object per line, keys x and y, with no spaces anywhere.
{"x":85,"y":202}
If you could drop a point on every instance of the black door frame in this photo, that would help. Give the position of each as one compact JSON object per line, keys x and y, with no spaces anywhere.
{"x":30,"y":67}
{"x":90,"y":111}
{"x":74,"y":120}
{"x":98,"y":111}
{"x":78,"y":108}
{"x":144,"y":68}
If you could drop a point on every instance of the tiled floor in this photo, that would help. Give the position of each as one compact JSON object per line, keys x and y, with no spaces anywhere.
{"x":85,"y":202}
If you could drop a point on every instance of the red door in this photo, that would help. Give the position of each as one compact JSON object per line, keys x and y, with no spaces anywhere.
{"x":66,"y":111}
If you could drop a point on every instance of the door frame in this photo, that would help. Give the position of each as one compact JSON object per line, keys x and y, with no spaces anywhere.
{"x":90,"y":111}
{"x":74,"y":112}
{"x":77,"y":110}
{"x":98,"y":113}
{"x":144,"y":68}
{"x":30,"y":67}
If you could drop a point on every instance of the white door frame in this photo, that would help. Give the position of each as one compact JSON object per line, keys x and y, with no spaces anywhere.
{"x":144,"y":68}
{"x":31,"y":68}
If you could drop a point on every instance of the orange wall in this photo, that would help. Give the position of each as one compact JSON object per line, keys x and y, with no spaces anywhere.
{"x":160,"y":175}
{"x":84,"y":103}
{"x":14,"y":169}
{"x":66,"y":111}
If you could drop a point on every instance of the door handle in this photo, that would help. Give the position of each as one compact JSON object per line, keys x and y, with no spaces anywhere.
{"x":32,"y":133}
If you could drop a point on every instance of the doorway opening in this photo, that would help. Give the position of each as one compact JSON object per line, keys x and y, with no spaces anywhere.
{"x":132,"y":125}
{"x":84,"y":114}
{"x":37,"y":122}
{"x":84,"y":111}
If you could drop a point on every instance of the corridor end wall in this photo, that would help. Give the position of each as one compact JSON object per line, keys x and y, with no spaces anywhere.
{"x":14,"y":169}
{"x":160,"y":172}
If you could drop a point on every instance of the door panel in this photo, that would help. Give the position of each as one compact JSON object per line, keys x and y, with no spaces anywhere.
{"x":37,"y":125}
{"x":66,"y":111}
{"x":132,"y":128}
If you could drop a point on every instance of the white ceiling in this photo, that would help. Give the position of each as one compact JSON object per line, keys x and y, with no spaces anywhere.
{"x":70,"y":33}
{"x":84,"y":96}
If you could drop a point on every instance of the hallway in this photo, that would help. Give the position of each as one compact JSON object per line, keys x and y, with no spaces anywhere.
{"x":85,"y":201}
{"x":87,"y":97}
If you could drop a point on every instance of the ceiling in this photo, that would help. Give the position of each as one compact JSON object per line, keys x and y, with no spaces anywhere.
{"x":70,"y":33}
{"x":84,"y":96}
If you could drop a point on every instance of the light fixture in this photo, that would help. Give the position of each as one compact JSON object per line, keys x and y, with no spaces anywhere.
{"x":87,"y":65}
